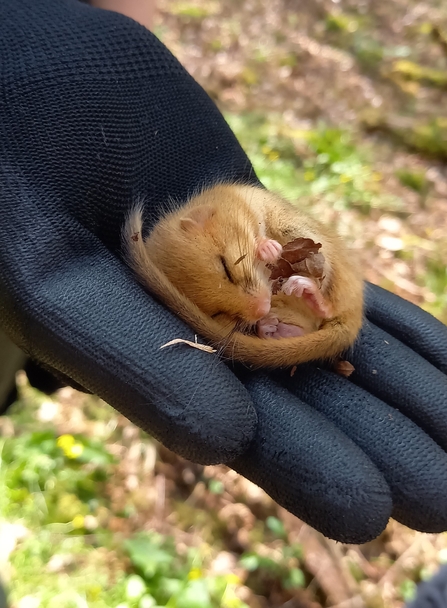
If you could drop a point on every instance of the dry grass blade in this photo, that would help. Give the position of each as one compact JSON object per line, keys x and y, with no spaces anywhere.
{"x":204,"y":347}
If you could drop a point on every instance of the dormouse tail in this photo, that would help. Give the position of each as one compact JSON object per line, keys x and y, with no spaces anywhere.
{"x":326,"y":343}
{"x":158,"y":284}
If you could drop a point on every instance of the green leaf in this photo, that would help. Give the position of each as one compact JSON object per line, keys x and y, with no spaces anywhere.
{"x":215,"y":486}
{"x":147,"y":556}
{"x":408,"y":590}
{"x":276,"y":526}
{"x":295,"y":579}
{"x":165,"y":588}
{"x":250,"y":561}
{"x":195,"y":595}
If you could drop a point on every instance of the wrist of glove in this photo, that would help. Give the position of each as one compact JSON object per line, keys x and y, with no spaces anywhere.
{"x":111,"y":116}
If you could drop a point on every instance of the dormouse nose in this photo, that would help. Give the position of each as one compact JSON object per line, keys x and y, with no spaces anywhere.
{"x":259,"y":303}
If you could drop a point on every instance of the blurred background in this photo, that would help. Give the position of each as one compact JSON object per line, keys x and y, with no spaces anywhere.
{"x":342,"y":105}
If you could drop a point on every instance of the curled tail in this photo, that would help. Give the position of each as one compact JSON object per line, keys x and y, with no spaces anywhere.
{"x":326,"y":343}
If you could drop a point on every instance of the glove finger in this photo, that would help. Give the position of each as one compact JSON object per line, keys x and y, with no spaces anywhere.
{"x":414,"y":466}
{"x":394,"y":373}
{"x":311,"y":468}
{"x":408,"y":323}
{"x":76,"y":308}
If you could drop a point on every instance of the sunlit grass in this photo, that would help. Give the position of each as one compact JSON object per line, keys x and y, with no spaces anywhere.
{"x":321,"y":162}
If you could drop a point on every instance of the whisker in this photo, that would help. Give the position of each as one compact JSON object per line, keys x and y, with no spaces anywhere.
{"x":240,"y":326}
{"x":222,"y":344}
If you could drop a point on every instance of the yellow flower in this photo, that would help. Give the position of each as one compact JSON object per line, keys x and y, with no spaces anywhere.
{"x":94,"y":592}
{"x":65,"y":441}
{"x":78,"y":521}
{"x":230,"y":600}
{"x":74,"y":451}
{"x":309,"y":175}
{"x":70,"y":447}
{"x":194,"y":574}
{"x":232,"y":579}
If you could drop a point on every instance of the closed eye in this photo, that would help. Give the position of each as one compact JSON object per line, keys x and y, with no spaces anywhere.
{"x":227,"y":271}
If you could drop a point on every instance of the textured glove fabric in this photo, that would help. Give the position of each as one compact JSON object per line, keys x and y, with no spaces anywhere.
{"x":432,"y":593}
{"x":95,"y":113}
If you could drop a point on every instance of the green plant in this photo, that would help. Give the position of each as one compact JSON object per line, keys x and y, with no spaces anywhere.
{"x":168,"y":579}
{"x":320,"y":163}
{"x":416,"y":180}
{"x":407,"y":590}
{"x":435,"y":278}
{"x":44,"y":477}
{"x":266,"y":571}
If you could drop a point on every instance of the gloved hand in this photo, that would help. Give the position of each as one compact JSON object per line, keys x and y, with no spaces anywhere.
{"x":95,"y":113}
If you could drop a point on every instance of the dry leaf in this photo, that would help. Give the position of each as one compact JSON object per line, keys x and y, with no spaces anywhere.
{"x":344,"y":368}
{"x":299,"y":249}
{"x":300,"y":256}
{"x":292,"y":371}
{"x":204,"y":347}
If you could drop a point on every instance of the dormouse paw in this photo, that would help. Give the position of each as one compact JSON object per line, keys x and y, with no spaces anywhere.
{"x":306,"y":288}
{"x":268,"y":250}
{"x":267,"y":326}
{"x":271,"y":327}
{"x":287,"y":330}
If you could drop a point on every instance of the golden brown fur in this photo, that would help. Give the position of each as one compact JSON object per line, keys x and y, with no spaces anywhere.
{"x":181,"y":263}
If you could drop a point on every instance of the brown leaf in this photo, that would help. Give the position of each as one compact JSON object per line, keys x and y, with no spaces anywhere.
{"x":312,"y":266}
{"x":299,"y":249}
{"x":344,"y":368}
{"x":300,"y":256}
{"x":282,"y":269}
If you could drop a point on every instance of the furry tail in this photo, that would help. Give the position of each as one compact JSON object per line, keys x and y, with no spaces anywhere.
{"x":326,"y":343}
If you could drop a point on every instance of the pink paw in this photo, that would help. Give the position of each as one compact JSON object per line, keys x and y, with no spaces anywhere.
{"x":268,"y":250}
{"x":267,"y":326}
{"x":303,"y":287}
{"x":270,"y":327}
{"x":285,"y":330}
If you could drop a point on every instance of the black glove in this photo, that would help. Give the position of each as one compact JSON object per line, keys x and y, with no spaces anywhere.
{"x":95,"y":113}
{"x":431,"y":593}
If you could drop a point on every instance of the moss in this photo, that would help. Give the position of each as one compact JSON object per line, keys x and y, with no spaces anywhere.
{"x":341,"y":22}
{"x":429,"y":137}
{"x":408,"y":70}
{"x":416,"y":180}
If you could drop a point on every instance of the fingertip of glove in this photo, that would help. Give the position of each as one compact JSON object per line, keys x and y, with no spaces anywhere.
{"x":312,"y":469}
{"x":415,"y":327}
{"x":414,"y":466}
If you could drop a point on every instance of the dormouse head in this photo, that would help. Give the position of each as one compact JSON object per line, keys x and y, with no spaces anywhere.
{"x":215,"y":262}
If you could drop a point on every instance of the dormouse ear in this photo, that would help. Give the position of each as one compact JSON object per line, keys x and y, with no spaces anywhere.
{"x":196,"y":218}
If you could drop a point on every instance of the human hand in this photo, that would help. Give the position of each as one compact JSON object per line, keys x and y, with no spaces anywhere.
{"x":96,"y":114}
